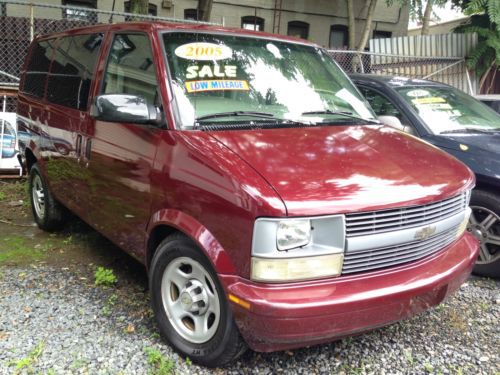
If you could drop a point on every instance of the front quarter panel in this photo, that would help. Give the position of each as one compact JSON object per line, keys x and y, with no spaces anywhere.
{"x":209,"y":193}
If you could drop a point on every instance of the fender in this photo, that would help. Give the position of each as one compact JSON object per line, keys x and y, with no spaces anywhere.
{"x":198,"y":233}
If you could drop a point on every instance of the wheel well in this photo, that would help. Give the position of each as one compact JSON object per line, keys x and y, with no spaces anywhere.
{"x":481,"y":185}
{"x":30,"y":159}
{"x":158,"y":234}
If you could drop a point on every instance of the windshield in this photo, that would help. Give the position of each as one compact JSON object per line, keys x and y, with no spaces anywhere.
{"x":449,"y":110}
{"x":214,"y":76}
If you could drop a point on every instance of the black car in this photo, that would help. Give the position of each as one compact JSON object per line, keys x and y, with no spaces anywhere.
{"x":492,"y":101}
{"x":458,"y":124}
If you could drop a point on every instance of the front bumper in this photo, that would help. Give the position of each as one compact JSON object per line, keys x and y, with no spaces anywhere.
{"x":288,"y":316}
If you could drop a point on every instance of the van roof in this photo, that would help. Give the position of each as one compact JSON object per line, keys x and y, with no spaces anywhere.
{"x":151,"y":26}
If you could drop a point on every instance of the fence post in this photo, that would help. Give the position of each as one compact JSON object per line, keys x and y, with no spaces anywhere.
{"x":32,"y":23}
{"x":4,"y":106}
{"x":469,"y":81}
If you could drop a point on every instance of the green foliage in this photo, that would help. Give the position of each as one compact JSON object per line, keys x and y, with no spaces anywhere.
{"x":485,"y":21}
{"x":160,"y":365}
{"x":105,"y":277}
{"x":2,"y":196}
{"x":109,"y":305}
{"x":24,"y":364}
{"x":416,"y":7}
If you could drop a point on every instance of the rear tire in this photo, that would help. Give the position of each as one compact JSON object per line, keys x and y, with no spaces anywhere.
{"x":190,"y":305}
{"x":47,"y":212}
{"x":484,"y":224}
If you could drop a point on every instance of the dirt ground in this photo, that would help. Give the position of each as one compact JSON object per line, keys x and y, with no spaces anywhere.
{"x":77,"y":247}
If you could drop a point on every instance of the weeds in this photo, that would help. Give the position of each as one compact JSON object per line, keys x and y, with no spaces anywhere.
{"x":109,"y":305}
{"x":105,"y":277}
{"x":26,"y":362}
{"x":409,"y":357}
{"x":160,"y":365}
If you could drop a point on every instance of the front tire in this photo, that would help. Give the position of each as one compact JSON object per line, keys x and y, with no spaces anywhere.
{"x":484,"y":224}
{"x":190,"y":305}
{"x":47,"y":212}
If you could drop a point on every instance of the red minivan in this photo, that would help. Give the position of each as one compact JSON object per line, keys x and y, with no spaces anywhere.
{"x":269,"y":206}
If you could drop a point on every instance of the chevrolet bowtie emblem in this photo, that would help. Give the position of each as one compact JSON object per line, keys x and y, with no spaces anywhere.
{"x":424,"y":233}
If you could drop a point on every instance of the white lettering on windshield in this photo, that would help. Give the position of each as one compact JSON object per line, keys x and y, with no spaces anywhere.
{"x":195,"y":71}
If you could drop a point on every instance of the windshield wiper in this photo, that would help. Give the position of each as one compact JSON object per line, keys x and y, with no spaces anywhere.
{"x":470,"y":130}
{"x":236,"y":113}
{"x":341,"y":113}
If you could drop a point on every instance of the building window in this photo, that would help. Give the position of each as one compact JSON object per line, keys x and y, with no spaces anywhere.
{"x":298,"y":29}
{"x":252,"y":23}
{"x":152,"y":10}
{"x":191,"y":14}
{"x":339,"y":36}
{"x":379,"y":34}
{"x":80,"y":14}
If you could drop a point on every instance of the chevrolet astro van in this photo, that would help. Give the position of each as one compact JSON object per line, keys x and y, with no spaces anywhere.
{"x":244,"y":170}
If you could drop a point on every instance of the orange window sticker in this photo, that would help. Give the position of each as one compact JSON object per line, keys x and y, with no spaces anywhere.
{"x":203,"y":51}
{"x":217,"y":85}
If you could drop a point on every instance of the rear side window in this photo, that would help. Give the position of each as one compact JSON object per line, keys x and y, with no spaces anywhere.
{"x":38,"y":67}
{"x":72,"y":70}
{"x":130,"y":68}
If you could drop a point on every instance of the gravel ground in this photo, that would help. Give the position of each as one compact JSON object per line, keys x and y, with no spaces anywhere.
{"x":53,"y":320}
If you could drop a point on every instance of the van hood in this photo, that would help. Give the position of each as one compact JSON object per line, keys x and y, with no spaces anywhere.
{"x":336,"y":169}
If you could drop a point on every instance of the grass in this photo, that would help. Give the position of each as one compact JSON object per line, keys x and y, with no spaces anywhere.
{"x":25,"y":364}
{"x":13,"y":190}
{"x":105,"y":277}
{"x":159,"y":364}
{"x":19,"y":249}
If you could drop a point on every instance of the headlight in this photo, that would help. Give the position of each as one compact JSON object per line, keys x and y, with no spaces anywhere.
{"x":293,"y":269}
{"x":293,"y":233}
{"x":297,"y":248}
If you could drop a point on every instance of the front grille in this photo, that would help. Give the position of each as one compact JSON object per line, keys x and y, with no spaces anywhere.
{"x":372,"y":259}
{"x":366,"y":223}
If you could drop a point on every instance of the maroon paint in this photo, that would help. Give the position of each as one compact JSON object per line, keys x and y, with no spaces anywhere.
{"x":301,"y":314}
{"x":213,"y":185}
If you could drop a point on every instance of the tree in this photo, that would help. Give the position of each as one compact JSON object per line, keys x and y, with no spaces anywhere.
{"x":421,"y":10}
{"x":365,"y":35}
{"x":485,"y":21}
{"x":139,"y":6}
{"x":369,"y":9}
{"x":351,"y":25}
{"x":204,"y":10}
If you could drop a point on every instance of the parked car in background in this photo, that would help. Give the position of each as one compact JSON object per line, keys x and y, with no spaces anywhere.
{"x":9,"y":149}
{"x":458,"y":124}
{"x":492,"y":101}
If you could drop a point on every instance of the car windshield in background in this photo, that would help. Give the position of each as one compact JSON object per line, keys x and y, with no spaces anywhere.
{"x":219,"y":78}
{"x":447,"y":110}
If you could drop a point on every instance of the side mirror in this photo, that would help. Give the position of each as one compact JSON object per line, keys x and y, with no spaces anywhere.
{"x":394,"y":122}
{"x":391,"y":121}
{"x":125,"y":108}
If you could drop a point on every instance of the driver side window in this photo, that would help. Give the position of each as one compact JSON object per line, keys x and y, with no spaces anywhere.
{"x":383,"y":106}
{"x":131,"y":68}
{"x":380,"y":104}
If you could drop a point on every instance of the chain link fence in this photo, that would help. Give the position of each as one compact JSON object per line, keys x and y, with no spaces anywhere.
{"x":449,"y":70}
{"x":21,"y":21}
